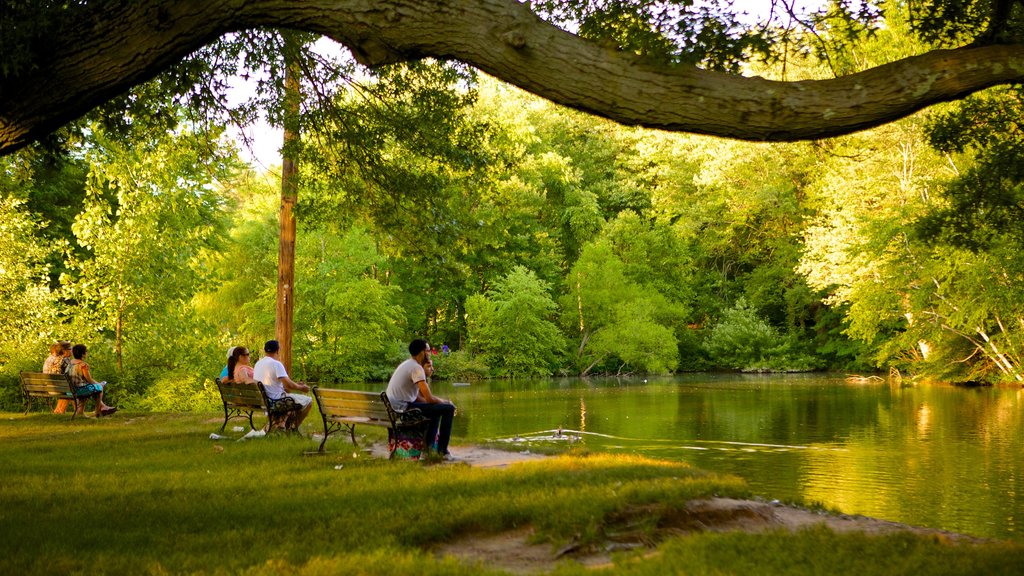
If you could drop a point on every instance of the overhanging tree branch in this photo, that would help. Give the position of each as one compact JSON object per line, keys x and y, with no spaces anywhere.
{"x":111,"y":46}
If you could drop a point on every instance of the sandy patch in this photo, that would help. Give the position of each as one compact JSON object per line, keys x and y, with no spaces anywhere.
{"x":476,"y":456}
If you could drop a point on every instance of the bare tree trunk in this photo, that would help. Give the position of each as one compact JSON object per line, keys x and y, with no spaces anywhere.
{"x":999,"y":358}
{"x":289,"y":195}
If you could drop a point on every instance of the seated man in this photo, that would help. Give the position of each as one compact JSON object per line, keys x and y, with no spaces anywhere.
{"x":271,"y":372}
{"x":408,"y":388}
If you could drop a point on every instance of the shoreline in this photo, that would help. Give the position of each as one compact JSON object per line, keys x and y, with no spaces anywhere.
{"x":516,"y":551}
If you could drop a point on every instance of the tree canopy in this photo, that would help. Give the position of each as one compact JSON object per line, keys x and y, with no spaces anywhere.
{"x":439,"y":202}
{"x":662,"y":64}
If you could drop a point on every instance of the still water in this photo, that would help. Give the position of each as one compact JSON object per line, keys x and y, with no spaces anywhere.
{"x":936,"y":456}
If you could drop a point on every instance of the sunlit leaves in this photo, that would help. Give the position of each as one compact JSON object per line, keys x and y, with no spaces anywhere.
{"x":615,"y":321}
{"x":150,"y":208}
{"x":28,"y":310}
{"x":347,"y":319}
{"x":512,"y":326}
{"x":708,"y":34}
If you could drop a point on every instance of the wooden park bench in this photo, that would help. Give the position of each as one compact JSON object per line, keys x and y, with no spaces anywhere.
{"x":242,"y":400}
{"x":280,"y":412}
{"x":39,"y":386}
{"x":348,"y":408}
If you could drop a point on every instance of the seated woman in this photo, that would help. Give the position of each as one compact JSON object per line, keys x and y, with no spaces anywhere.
{"x":56,"y":363}
{"x":239,"y":367}
{"x":78,"y":371}
{"x":225,"y":373}
{"x":52,"y":363}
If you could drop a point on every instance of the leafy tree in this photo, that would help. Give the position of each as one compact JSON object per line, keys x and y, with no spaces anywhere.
{"x":350,"y":320}
{"x":636,"y":341}
{"x":27,"y":306}
{"x":150,"y":208}
{"x":238,"y":298}
{"x":742,"y":340}
{"x":650,"y":80}
{"x":512,"y":328}
{"x":616,"y":320}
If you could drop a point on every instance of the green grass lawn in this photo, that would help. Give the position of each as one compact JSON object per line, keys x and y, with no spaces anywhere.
{"x":153,"y":494}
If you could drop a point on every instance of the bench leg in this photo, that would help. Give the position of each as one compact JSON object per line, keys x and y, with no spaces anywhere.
{"x":225,"y":424}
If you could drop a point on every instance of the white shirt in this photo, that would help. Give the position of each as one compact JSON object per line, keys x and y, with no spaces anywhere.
{"x":269,"y":371}
{"x":402,"y":388}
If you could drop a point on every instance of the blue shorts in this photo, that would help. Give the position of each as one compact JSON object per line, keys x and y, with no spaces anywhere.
{"x":89,"y":390}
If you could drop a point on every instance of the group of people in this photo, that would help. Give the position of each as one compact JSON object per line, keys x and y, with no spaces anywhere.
{"x":272,"y":373}
{"x":408,"y":388}
{"x":70,"y":360}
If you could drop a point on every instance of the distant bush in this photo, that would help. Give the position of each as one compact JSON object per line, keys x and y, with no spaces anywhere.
{"x":177,"y":391}
{"x":17,"y":357}
{"x":512,"y":328}
{"x":460,"y":366}
{"x":743,"y":340}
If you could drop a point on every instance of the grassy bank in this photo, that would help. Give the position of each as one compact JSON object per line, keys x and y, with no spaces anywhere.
{"x":152,"y":494}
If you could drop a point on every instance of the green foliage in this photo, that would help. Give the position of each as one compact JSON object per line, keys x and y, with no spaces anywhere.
{"x":621,"y":325}
{"x":150,"y":208}
{"x":460,"y":365}
{"x":28,"y":309}
{"x":744,"y":341}
{"x":707,"y":34}
{"x":986,"y":199}
{"x":349,"y":318}
{"x":511,"y":326}
{"x":955,"y":22}
{"x":635,"y":338}
{"x":178,"y":391}
{"x":239,"y":297}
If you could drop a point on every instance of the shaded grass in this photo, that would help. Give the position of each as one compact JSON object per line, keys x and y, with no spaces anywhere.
{"x":152,"y":494}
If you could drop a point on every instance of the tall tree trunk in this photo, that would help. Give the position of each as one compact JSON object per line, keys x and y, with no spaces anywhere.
{"x":289,"y":195}
{"x":118,"y":349}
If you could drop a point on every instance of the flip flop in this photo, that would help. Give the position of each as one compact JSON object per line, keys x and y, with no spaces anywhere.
{"x":108,"y":411}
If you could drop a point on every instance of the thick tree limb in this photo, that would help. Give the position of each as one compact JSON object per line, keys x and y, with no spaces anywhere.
{"x":115,"y":45}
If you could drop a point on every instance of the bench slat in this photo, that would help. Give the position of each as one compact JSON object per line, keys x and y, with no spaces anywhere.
{"x":348,"y":408}
{"x":40,"y":386}
{"x":240,"y":400}
{"x":342,"y":406}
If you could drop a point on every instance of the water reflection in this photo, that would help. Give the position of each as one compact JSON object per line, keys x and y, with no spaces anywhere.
{"x":936,"y":456}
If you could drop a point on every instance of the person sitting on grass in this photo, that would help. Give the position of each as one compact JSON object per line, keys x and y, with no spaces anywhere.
{"x":238,"y":366}
{"x":272,"y":373}
{"x":78,"y":371}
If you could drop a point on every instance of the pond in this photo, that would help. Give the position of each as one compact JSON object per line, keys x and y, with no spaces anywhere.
{"x":928,"y":455}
